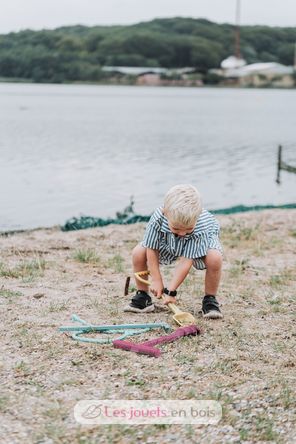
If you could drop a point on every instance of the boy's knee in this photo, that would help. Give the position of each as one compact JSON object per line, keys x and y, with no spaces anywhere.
{"x":213,"y":260}
{"x":138,"y":253}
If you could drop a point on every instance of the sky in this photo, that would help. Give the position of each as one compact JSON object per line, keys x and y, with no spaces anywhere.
{"x":49,"y":14}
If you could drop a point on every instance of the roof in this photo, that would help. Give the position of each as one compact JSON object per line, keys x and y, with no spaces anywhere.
{"x":260,"y":68}
{"x":139,"y":70}
{"x":134,"y":70}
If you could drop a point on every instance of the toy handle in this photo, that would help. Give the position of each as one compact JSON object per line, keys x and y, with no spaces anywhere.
{"x":182,"y":331}
{"x":138,"y":275}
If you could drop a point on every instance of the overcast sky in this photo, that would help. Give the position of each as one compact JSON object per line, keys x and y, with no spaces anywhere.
{"x":38,"y":14}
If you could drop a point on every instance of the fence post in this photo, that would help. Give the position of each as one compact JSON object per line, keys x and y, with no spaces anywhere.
{"x":279,"y":164}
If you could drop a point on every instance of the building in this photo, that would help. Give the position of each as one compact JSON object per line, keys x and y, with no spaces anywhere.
{"x":134,"y":70}
{"x":257,"y":74}
{"x":149,"y":79}
{"x":154,"y":76}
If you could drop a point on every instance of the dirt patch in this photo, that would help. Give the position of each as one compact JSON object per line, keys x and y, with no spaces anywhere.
{"x":246,"y":361}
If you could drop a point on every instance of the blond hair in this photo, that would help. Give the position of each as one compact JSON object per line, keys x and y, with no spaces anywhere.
{"x":182,"y":205}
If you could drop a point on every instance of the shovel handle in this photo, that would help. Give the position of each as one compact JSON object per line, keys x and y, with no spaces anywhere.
{"x":172,"y":307}
{"x":138,"y":275}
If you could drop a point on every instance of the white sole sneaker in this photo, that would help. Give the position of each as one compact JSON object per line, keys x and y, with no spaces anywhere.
{"x":132,"y":309}
{"x":214,"y":314}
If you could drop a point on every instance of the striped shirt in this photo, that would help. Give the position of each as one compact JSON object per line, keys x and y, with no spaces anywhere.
{"x":194,"y":246}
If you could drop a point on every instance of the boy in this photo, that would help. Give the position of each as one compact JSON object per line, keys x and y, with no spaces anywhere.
{"x":179,"y":229}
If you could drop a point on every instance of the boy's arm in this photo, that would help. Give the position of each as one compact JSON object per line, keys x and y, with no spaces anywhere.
{"x":181,"y":271}
{"x":156,"y":286}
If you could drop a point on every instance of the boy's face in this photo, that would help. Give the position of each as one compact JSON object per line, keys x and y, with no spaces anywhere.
{"x":180,"y":230}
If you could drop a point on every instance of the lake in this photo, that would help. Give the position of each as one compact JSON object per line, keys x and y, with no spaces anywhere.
{"x":68,"y":150}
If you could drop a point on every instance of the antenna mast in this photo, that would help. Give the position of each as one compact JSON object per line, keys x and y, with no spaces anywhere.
{"x":237,"y":30}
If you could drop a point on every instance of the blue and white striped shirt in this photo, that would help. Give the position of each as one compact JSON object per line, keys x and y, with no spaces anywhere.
{"x":194,"y":246}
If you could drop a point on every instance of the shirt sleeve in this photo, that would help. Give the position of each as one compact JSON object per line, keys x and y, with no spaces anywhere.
{"x":205,"y":237}
{"x":213,"y":236}
{"x":152,"y":233}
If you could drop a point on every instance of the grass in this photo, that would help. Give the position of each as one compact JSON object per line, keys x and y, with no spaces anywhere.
{"x":116,"y":263}
{"x":86,"y":256}
{"x":281,"y":278}
{"x":25,"y":270}
{"x":236,"y":233}
{"x":220,"y":395}
{"x":9,"y":294}
{"x":274,"y":300}
{"x":53,"y":431}
{"x":225,"y":366}
{"x":185,"y":359}
{"x":138,"y":382}
{"x":287,"y":396}
{"x":4,"y":403}
{"x":244,"y":434}
{"x":57,"y":306}
{"x":239,"y":267}
{"x":265,"y":428}
{"x":22,"y":368}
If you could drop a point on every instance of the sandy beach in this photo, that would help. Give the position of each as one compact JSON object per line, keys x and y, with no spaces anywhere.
{"x":245,"y":361}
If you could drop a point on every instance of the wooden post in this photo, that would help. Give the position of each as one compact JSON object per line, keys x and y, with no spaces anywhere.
{"x":283,"y":165}
{"x":279,"y":164}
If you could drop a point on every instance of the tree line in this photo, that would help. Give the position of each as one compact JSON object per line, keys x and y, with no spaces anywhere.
{"x":77,"y":53}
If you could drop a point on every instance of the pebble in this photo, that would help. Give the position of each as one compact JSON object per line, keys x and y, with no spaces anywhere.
{"x":38,"y":295}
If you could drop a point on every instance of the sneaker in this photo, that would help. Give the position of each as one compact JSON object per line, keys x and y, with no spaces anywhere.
{"x":140,"y":303}
{"x":210,"y":308}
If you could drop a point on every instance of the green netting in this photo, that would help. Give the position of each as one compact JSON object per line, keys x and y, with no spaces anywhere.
{"x":79,"y":223}
{"x":129,"y":217}
{"x":243,"y":208}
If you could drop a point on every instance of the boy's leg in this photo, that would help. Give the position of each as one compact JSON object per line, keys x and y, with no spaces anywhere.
{"x":213,"y":263}
{"x":141,"y":302}
{"x":210,"y":305}
{"x":139,"y":259}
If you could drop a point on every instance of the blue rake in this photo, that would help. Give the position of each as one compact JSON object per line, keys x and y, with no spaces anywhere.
{"x":126,"y":330}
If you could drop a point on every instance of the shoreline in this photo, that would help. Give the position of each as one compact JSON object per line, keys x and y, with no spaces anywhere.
{"x":86,"y":83}
{"x":132,"y":218}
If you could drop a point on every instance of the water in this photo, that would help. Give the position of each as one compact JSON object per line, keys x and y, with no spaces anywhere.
{"x":67,"y":150}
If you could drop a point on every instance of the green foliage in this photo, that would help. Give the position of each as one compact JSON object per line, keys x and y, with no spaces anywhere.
{"x":6,"y":293}
{"x":116,"y":263}
{"x":212,"y":79}
{"x":77,"y":53}
{"x":87,"y":256}
{"x":26,"y":270}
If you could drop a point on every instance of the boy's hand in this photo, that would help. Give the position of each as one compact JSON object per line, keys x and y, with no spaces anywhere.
{"x":169,"y":300}
{"x":156,"y":288}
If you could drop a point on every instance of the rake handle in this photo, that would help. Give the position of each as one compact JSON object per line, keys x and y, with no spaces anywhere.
{"x":182,"y":331}
{"x":138,"y":348}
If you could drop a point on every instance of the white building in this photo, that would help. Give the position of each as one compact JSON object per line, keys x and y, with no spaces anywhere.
{"x":256,"y":74}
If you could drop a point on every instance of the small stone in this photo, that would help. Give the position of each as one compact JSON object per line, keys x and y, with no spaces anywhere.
{"x":38,"y":295}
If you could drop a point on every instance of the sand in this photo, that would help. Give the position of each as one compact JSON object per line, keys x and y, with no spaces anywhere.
{"x":245,"y":361}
